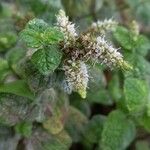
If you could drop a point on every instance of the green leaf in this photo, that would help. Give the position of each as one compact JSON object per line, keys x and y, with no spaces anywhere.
{"x":31,"y":37}
{"x":38,"y":7}
{"x":114,"y":88}
{"x":96,"y":92}
{"x":3,"y":64}
{"x":118,"y":132}
{"x":33,"y":33}
{"x":15,"y":109}
{"x":78,"y":103}
{"x":76,"y":7}
{"x":75,"y":124}
{"x":7,"y":40}
{"x":136,"y":94}
{"x":36,"y":81}
{"x":142,"y":45}
{"x":62,"y":141}
{"x":14,"y":56}
{"x":124,"y":38}
{"x":142,"y":65}
{"x":93,"y":130}
{"x":4,"y":69}
{"x":54,"y":123}
{"x":52,"y":36}
{"x":101,"y":96}
{"x":38,"y":33}
{"x":140,"y":9}
{"x":37,"y":25}
{"x":24,"y":128}
{"x":144,"y":121}
{"x":47,"y":60}
{"x":19,"y":88}
{"x":47,"y":141}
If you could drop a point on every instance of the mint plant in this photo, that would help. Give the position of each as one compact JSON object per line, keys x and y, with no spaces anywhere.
{"x":69,"y":81}
{"x":52,"y":43}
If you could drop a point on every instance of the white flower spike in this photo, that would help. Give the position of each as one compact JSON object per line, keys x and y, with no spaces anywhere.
{"x":77,"y":77}
{"x":104,"y":26}
{"x":67,"y":27}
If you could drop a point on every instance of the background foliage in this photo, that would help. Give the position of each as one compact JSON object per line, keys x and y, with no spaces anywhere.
{"x":35,"y":114}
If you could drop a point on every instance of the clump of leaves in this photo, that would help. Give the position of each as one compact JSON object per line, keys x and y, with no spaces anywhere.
{"x":54,"y":60}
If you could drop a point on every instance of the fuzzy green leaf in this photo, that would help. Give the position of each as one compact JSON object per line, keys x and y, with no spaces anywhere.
{"x":136,"y":94}
{"x":114,"y":88}
{"x":144,"y":121}
{"x":75,"y":124}
{"x":142,"y":45}
{"x":46,"y":141}
{"x":93,"y":130}
{"x":37,"y":25}
{"x":47,"y":60}
{"x":33,"y":33}
{"x":54,"y":123}
{"x":124,"y":38}
{"x":62,"y":141}
{"x":38,"y":33}
{"x":7,"y":40}
{"x":15,"y":109}
{"x":52,"y":36}
{"x":118,"y":132}
{"x":19,"y":88}
{"x":31,"y":37}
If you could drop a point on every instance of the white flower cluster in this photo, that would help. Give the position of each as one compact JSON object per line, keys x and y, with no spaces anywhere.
{"x":101,"y":51}
{"x":77,"y":76}
{"x":108,"y":55}
{"x":78,"y":49}
{"x":103,"y":26}
{"x":67,"y":27}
